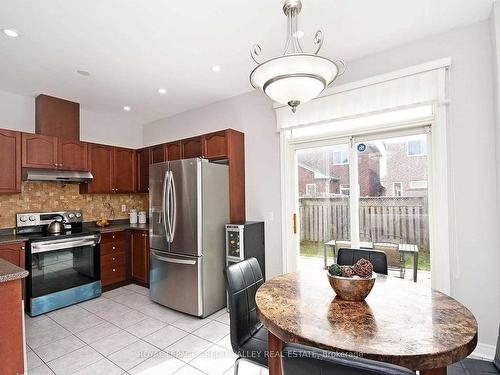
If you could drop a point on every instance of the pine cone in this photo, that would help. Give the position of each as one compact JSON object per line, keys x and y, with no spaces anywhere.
{"x":347,"y":271}
{"x":363,"y":268}
{"x":335,"y":270}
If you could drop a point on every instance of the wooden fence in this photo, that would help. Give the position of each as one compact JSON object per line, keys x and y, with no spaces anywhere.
{"x":400,"y":219}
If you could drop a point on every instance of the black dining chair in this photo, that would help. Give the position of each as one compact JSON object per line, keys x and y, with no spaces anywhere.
{"x":348,"y":257}
{"x":248,"y":335}
{"x":303,"y":360}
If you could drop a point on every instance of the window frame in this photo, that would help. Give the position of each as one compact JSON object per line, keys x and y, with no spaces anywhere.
{"x":315,"y":189}
{"x":419,"y":188}
{"x":408,"y":148}
{"x":394,"y":189}
{"x":346,"y":157}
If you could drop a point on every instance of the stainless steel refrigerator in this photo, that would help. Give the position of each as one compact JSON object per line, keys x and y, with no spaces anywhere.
{"x":189,"y":207}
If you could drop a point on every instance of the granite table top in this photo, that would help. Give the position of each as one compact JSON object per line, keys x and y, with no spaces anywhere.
{"x":11,"y":272}
{"x":400,"y":322}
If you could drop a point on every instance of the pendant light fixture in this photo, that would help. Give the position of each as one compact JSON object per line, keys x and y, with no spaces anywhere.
{"x":295,"y":77}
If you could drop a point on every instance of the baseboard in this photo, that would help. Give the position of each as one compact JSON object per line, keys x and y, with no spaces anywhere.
{"x":484,"y":351}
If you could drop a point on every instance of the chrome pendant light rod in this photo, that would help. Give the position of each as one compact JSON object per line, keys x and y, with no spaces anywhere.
{"x":292,"y":10}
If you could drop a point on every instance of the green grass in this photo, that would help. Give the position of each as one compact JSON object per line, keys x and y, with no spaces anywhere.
{"x":315,"y":249}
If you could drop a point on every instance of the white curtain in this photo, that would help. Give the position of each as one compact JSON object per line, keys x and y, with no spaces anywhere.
{"x":385,"y":94}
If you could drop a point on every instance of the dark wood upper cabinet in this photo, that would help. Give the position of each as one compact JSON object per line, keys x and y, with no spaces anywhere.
{"x":191,"y":148}
{"x":143,"y":161}
{"x":39,"y":151}
{"x":236,"y":159}
{"x":158,"y":154}
{"x":10,"y":161}
{"x":173,"y":151}
{"x":215,"y":145}
{"x":139,"y":256}
{"x":72,"y":155}
{"x":100,"y":164}
{"x":57,"y":117}
{"x":124,"y":170}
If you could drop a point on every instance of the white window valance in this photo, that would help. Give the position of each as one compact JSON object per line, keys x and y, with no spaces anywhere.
{"x":423,"y":84}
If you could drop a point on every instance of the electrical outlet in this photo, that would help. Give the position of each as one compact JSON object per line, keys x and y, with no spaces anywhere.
{"x":124,"y":208}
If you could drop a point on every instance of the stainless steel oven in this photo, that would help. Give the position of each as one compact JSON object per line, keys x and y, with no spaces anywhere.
{"x":62,"y":272}
{"x":64,"y":269}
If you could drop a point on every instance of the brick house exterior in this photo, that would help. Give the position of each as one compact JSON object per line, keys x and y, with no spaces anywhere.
{"x":318,"y":167}
{"x":407,"y":170}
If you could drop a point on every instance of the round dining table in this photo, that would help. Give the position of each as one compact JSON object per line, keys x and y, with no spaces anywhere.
{"x":400,"y":322}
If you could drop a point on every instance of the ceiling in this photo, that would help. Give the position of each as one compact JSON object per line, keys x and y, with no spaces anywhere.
{"x":132,"y":48}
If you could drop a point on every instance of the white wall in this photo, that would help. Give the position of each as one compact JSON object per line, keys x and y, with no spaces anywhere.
{"x":252,"y":114}
{"x":472,"y":171}
{"x":17,"y":112}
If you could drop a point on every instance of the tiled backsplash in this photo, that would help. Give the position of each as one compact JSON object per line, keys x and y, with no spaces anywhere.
{"x":46,"y":197}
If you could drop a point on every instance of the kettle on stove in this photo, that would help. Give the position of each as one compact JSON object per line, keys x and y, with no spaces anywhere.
{"x":57,"y":226}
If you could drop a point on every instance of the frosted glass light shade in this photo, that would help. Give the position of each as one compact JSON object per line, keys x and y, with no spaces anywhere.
{"x":294,"y":78}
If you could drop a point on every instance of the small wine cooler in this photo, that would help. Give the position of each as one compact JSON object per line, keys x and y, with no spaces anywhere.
{"x":245,"y":241}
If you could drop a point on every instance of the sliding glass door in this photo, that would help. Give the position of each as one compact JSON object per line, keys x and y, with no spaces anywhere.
{"x":369,"y":191}
{"x":323,"y":192}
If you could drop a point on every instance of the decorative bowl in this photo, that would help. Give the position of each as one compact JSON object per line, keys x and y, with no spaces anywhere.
{"x":102,"y":224}
{"x":353,"y":289}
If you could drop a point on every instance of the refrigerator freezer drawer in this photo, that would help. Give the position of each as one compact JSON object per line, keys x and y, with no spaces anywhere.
{"x":175,"y":282}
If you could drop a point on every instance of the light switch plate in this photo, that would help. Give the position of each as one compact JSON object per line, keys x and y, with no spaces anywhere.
{"x":124,"y":208}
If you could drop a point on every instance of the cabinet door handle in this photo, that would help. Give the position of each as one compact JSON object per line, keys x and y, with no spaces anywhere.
{"x":114,"y":269}
{"x":114,"y":258}
{"x":114,"y":248}
{"x":23,"y":248}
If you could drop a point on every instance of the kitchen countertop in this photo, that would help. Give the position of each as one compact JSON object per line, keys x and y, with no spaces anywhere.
{"x":11,"y":272}
{"x":117,"y":226}
{"x":7,"y":238}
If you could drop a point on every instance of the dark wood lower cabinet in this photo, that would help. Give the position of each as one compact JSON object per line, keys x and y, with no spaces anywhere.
{"x":113,"y":258}
{"x":11,"y":327}
{"x":13,"y":253}
{"x":139,"y":256}
{"x":124,"y":258}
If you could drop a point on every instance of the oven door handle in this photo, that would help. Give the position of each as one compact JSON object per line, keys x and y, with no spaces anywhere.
{"x":42,"y":248}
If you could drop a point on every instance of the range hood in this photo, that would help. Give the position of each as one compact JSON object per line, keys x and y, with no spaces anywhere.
{"x":54,"y":175}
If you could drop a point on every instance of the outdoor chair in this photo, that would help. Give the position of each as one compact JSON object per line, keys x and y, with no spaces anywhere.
{"x":395,"y":258}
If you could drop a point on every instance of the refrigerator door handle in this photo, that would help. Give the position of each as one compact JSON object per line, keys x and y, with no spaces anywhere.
{"x":173,"y":260}
{"x":174,"y":206}
{"x":169,"y":206}
{"x":164,"y":205}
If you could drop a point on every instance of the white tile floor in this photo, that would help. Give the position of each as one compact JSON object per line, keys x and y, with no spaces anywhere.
{"x":124,"y":332}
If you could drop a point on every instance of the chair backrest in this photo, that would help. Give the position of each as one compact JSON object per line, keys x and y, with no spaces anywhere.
{"x":242,"y":281}
{"x":391,"y":250}
{"x":298,"y":360}
{"x":348,"y":257}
